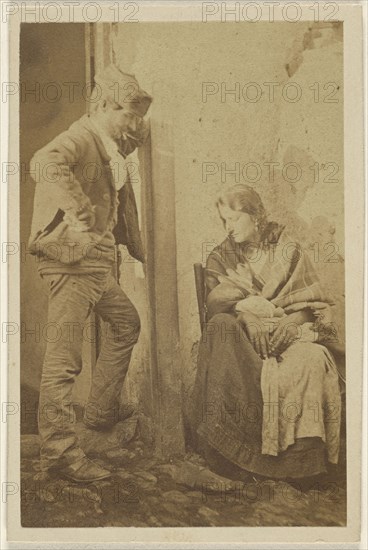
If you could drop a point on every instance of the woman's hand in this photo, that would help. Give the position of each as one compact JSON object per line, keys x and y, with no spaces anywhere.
{"x":288,"y":331}
{"x":257,"y":332}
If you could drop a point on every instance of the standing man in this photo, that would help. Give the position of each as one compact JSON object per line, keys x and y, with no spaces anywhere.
{"x":79,"y":216}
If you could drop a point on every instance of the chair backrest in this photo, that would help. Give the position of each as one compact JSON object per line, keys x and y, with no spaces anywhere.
{"x":201,"y":292}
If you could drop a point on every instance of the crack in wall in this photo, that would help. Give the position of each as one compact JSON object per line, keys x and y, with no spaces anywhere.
{"x":318,"y":35}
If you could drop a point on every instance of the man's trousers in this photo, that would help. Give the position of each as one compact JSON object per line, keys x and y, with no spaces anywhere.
{"x":71,"y":300}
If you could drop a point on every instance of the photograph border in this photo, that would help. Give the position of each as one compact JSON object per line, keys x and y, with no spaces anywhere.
{"x":354,"y":199}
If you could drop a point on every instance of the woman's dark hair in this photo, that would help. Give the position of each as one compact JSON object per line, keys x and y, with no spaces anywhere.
{"x":241,"y":197}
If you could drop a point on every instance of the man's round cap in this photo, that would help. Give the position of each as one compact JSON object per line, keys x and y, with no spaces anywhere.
{"x":123,"y":89}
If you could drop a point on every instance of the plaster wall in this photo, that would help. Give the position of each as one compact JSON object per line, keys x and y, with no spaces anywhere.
{"x":222,"y":131}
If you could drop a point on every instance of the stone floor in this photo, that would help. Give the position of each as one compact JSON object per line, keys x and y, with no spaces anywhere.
{"x":146,"y":492}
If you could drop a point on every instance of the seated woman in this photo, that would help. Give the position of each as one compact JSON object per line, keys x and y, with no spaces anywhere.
{"x":266,"y":396}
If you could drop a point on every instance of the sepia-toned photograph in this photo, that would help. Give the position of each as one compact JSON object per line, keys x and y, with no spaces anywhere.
{"x":182,"y":272}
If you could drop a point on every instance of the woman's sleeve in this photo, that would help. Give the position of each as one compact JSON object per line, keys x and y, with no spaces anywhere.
{"x":214,"y":267}
{"x":220,"y":297}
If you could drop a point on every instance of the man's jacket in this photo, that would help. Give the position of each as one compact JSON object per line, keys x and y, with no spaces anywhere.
{"x":73,"y":175}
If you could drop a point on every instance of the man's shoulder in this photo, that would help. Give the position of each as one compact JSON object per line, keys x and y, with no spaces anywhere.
{"x":81,"y":129}
{"x":75,"y":142}
{"x":79,"y":137}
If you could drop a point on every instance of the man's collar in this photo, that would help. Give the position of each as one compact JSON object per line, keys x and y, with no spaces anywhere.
{"x":100,"y":132}
{"x":88,"y":123}
{"x":106,"y":141}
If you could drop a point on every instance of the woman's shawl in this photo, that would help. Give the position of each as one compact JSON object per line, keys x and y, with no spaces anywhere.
{"x":287,"y":278}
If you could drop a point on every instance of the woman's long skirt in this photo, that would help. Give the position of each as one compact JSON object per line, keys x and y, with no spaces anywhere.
{"x":228,"y":407}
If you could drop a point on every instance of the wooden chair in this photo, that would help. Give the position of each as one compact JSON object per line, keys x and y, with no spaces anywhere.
{"x":201,"y":293}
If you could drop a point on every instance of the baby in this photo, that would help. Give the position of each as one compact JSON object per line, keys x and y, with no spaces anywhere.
{"x":71,"y":217}
{"x":259,"y":306}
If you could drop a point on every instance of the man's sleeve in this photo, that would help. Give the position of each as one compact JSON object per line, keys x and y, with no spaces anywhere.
{"x":53,"y":167}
